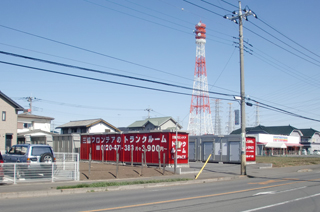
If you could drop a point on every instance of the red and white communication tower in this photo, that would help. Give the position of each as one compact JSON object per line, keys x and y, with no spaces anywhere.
{"x":200,"y":120}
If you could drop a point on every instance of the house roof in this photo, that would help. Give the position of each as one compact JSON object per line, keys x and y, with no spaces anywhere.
{"x":277,"y":130}
{"x":11,"y":102}
{"x":157,"y":122}
{"x":28,"y":115}
{"x":87,"y":123}
{"x":308,"y":132}
{"x":34,"y":132}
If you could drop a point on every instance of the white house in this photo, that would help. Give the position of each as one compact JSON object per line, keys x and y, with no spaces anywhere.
{"x":34,"y":129}
{"x":310,"y":140}
{"x":88,"y":126}
{"x":29,"y":122}
{"x":160,"y":123}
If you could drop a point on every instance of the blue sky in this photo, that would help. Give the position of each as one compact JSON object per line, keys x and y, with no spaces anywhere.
{"x":153,"y":39}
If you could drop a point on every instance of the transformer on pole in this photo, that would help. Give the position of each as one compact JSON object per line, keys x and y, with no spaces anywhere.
{"x":200,"y":120}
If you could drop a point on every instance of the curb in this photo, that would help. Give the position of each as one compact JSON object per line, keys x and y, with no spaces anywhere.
{"x":53,"y":191}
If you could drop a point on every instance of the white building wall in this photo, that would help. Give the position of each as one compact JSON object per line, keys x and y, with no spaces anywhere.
{"x":168,"y":124}
{"x":267,"y":138}
{"x":36,"y":124}
{"x":315,"y":138}
{"x":295,"y":134}
{"x":99,"y":128}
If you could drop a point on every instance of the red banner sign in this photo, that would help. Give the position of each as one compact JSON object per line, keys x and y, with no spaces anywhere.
{"x":251,"y":149}
{"x":131,"y":146}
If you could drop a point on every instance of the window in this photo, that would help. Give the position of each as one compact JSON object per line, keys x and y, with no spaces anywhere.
{"x":4,"y":115}
{"x":37,"y":151}
{"x":27,"y":125}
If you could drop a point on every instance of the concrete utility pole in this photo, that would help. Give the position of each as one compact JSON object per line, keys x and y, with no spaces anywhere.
{"x":148,"y":109}
{"x":30,"y":100}
{"x":239,"y":16}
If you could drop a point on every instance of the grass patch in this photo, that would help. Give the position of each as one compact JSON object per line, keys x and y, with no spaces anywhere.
{"x":284,"y":161}
{"x":106,"y":184}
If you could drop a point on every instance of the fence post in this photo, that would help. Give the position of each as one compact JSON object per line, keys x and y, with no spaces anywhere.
{"x":14,"y":173}
{"x":78,"y":167}
{"x":159,"y":158}
{"x":117,"y":164}
{"x":75,"y":172}
{"x":52,"y":172}
{"x":145,"y":156}
{"x":131,"y":156}
{"x":102,"y":153}
{"x":141,"y":164}
{"x":90,"y":162}
{"x":64,"y":161}
{"x":164,"y":163}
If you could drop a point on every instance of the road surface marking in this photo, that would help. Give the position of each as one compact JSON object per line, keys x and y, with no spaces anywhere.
{"x":267,"y":182}
{"x":282,"y":203}
{"x":187,"y":198}
{"x":198,"y":197}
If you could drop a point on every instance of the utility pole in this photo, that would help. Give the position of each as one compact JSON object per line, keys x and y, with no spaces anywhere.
{"x":239,"y":16}
{"x":30,"y":100}
{"x":148,"y":109}
{"x":257,"y":115}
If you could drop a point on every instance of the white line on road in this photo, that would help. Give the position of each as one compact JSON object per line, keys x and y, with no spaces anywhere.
{"x":282,"y":203}
{"x":276,"y":192}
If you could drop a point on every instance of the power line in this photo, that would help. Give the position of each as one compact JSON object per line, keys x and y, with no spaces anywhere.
{"x":281,"y":47}
{"x":91,"y":51}
{"x":203,"y":8}
{"x":229,"y":3}
{"x":154,"y":89}
{"x":94,"y":52}
{"x":101,"y":80}
{"x":108,"y":73}
{"x":289,"y":38}
{"x":171,"y":22}
{"x":283,"y":42}
{"x":216,"y":6}
{"x":87,"y":107}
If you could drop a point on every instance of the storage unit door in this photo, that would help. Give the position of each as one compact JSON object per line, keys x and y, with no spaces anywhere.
{"x":234,"y":151}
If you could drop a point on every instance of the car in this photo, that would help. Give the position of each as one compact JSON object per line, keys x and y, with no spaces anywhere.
{"x":32,"y":158}
{"x":1,"y":168}
{"x":316,"y":152}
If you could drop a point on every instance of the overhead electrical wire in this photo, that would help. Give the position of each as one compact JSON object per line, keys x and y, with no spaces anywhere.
{"x":102,"y":80}
{"x":281,"y":110}
{"x":134,"y":63}
{"x":109,"y":73}
{"x":283,"y":42}
{"x":216,"y":6}
{"x":82,"y":61}
{"x":229,"y":3}
{"x":289,"y":38}
{"x":203,"y":8}
{"x":97,"y":53}
{"x":188,"y":22}
{"x":281,"y":47}
{"x":147,"y":20}
{"x":149,"y":88}
{"x":91,"y":51}
{"x":87,"y":107}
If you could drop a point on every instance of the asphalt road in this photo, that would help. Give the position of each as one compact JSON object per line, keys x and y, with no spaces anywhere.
{"x":294,"y":191}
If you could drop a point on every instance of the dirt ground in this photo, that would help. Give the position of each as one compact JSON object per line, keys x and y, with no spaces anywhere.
{"x":101,"y":171}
